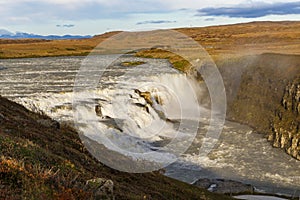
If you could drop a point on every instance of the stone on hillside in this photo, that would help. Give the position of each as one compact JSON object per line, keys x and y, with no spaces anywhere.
{"x":102,"y":188}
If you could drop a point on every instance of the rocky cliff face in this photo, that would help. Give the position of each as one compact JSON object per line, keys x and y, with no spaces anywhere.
{"x":259,"y":87}
{"x":266,"y":96}
{"x":285,"y":128}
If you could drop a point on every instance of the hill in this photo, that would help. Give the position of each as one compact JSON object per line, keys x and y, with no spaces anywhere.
{"x":221,"y":42}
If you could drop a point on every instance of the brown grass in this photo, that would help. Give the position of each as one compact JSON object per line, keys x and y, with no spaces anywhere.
{"x":248,"y":38}
{"x":40,"y":48}
{"x":219,"y":41}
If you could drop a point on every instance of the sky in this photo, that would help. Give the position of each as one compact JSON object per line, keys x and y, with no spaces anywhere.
{"x":91,"y":17}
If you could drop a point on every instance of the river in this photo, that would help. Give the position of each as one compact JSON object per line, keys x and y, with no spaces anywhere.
{"x":46,"y":85}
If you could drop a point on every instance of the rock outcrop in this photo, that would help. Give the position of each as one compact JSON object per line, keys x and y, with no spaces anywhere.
{"x":285,"y":127}
{"x":103,"y":188}
{"x":264,"y":94}
{"x":258,"y":88}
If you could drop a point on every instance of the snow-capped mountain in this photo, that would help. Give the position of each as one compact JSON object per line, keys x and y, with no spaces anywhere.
{"x":5,"y":34}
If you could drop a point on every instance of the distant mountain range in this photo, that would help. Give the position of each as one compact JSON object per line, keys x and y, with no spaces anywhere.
{"x":5,"y":34}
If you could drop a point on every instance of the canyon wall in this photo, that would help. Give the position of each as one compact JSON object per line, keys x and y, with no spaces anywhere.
{"x":263,"y":92}
{"x":285,"y":127}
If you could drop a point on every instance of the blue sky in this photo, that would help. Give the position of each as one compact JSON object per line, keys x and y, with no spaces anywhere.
{"x":98,"y":16}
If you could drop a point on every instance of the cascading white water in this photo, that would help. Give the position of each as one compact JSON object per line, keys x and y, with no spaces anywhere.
{"x":140,"y":112}
{"x":141,"y":127}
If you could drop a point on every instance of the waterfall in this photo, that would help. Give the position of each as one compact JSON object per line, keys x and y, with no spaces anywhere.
{"x":149,"y":112}
{"x":138,"y":114}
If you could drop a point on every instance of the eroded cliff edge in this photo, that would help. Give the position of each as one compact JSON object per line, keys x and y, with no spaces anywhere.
{"x":263,"y":92}
{"x":285,"y":128}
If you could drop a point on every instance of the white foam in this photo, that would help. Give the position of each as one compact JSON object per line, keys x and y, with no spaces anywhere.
{"x":258,"y":197}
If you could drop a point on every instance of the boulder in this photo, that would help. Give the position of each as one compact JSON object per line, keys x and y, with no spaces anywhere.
{"x":49,"y":123}
{"x":103,"y":189}
{"x":2,"y":68}
{"x":145,"y":95}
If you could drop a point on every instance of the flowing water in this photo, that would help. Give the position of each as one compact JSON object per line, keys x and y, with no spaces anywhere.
{"x":145,"y":121}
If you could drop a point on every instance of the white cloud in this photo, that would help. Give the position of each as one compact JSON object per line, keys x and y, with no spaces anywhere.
{"x":114,"y":6}
{"x":34,"y":14}
{"x":17,"y":20}
{"x":252,"y":10}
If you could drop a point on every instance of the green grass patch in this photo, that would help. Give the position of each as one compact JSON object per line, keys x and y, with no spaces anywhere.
{"x":132,"y":63}
{"x":177,"y":61}
{"x":181,"y":65}
{"x":71,"y":49}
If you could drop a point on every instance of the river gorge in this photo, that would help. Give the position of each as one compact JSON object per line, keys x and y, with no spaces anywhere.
{"x":137,"y":107}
